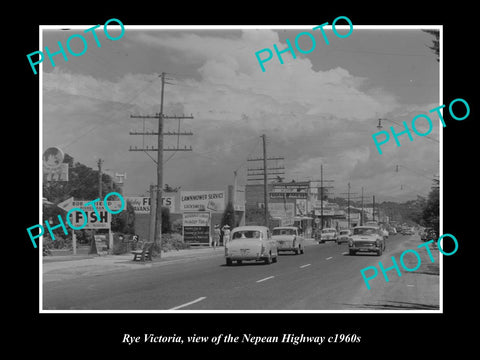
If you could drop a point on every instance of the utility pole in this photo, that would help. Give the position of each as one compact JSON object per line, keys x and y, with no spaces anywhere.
{"x":361,"y":214}
{"x":234,"y":188}
{"x":348,"y":193}
{"x":265,"y":172}
{"x":99,"y":164}
{"x":322,"y":187}
{"x":348,"y":208}
{"x":153,"y":208}
{"x":159,"y":150}
{"x":321,"y":196}
{"x":265,"y":180}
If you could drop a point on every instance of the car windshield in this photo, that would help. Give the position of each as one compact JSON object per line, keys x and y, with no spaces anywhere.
{"x":246,"y":234}
{"x":327,"y":231}
{"x":344,"y":232}
{"x":364,"y":231}
{"x":283,"y":232}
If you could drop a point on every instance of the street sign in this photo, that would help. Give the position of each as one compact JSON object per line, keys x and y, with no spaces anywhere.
{"x":196,"y":227}
{"x":141,"y":204}
{"x":213,"y":201}
{"x":92,"y":221}
{"x":53,"y":157}
{"x":67,"y":204}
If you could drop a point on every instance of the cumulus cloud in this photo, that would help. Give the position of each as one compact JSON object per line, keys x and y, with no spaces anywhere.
{"x":315,"y":117}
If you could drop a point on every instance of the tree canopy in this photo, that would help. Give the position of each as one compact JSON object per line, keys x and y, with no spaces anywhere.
{"x":83,"y":184}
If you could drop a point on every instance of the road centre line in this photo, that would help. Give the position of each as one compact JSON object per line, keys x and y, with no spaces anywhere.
{"x":189,"y":303}
{"x":267,"y":278}
{"x":331,"y":257}
{"x":304,"y":266}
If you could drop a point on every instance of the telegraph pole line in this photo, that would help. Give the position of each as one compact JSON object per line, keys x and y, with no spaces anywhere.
{"x":361,"y":214}
{"x":265,"y":179}
{"x":322,"y":195}
{"x":99,"y":164}
{"x":265,"y":171}
{"x":348,"y":203}
{"x":159,"y":162}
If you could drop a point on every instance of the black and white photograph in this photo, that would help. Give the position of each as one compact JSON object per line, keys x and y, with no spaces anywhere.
{"x":212,"y":184}
{"x":304,"y":172}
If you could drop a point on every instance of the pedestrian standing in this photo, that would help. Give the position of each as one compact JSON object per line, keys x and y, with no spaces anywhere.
{"x":226,"y":234}
{"x":216,"y":236}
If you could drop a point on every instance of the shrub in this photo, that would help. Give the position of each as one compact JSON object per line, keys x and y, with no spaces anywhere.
{"x":173,"y":242}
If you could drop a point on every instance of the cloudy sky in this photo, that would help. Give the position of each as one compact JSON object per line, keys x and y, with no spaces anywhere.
{"x":320,"y":108}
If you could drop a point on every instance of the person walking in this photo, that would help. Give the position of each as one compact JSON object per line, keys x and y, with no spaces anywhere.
{"x":216,"y":236}
{"x":226,"y":234}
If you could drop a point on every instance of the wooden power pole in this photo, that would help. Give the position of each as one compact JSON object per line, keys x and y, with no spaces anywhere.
{"x":159,"y":150}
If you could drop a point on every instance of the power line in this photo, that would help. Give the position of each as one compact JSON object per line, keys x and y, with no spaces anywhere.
{"x":157,"y":207}
{"x":122,"y":108}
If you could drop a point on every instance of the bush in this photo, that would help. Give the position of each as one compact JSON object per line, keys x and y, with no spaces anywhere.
{"x":173,"y":242}
{"x":60,"y":242}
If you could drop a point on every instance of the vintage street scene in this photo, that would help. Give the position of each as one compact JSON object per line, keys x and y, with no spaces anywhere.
{"x":241,"y":168}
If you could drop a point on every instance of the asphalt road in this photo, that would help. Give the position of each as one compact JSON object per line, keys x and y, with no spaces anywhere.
{"x":324,"y":278}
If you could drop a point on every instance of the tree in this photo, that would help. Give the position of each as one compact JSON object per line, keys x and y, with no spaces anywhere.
{"x":228,"y":217}
{"x":415,"y":209}
{"x":431,"y":212}
{"x":82,"y":184}
{"x":124,"y":222}
{"x":435,"y":42}
{"x":256,"y":216}
{"x":166,"y":226}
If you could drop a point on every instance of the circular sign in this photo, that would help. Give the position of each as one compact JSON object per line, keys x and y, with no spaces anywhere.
{"x":53,"y":157}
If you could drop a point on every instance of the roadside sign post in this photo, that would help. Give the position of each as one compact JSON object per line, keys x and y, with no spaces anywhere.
{"x":92,"y":221}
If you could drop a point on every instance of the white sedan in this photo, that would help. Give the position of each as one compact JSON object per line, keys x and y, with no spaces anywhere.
{"x":251,"y":243}
{"x":288,"y":238}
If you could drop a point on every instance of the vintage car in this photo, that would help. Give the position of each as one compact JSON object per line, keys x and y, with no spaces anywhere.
{"x":251,"y":243}
{"x":428,"y":234}
{"x":368,"y":239}
{"x":343,"y":236}
{"x":288,"y":238}
{"x":328,"y":234}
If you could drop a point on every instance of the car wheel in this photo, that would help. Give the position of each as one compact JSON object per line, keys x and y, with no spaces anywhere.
{"x":268,"y":260}
{"x":229,"y":262}
{"x":351,"y":252}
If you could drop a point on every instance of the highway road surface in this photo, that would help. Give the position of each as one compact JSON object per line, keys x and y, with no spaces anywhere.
{"x":326,"y":277}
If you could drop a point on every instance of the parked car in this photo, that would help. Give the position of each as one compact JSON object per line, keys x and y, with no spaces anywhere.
{"x":328,"y":234}
{"x":288,"y":238}
{"x":343,"y":236}
{"x":368,"y":239}
{"x":251,"y":243}
{"x":428,"y":234}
